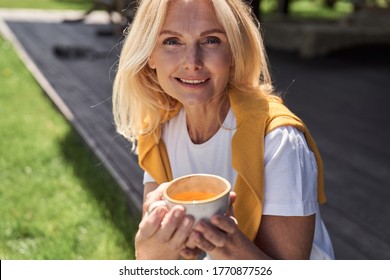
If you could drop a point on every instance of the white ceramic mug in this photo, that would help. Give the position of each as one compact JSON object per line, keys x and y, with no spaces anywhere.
{"x":203,"y":195}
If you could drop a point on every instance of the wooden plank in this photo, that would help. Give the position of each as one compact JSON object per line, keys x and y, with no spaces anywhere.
{"x":352,"y":241}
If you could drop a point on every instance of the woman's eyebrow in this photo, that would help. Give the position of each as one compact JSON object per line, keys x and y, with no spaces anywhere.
{"x":204,"y":33}
{"x":169,"y":32}
{"x":211,"y":31}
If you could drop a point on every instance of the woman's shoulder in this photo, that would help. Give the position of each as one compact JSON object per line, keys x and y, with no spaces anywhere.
{"x":254,"y":101}
{"x":265,"y":108}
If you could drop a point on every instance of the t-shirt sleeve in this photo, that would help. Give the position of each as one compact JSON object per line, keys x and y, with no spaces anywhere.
{"x":147,"y":178}
{"x":290,"y":174}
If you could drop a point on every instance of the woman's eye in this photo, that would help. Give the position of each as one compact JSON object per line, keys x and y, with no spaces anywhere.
{"x":212,"y":40}
{"x":171,"y":42}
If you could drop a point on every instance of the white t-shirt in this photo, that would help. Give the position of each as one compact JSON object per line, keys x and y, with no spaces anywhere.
{"x":287,"y":159}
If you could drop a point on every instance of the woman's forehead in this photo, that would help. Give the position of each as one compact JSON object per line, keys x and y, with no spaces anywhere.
{"x":195,"y":15}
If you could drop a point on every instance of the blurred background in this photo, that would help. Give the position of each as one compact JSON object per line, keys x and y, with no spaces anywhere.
{"x":69,"y":188}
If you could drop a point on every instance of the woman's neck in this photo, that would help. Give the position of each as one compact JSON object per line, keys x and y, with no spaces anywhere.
{"x":204,"y":121}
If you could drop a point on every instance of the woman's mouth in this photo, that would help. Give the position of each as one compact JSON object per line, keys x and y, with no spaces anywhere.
{"x":192,"y":81}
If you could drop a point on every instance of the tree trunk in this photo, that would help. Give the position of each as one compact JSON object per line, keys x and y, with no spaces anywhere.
{"x":283,"y":6}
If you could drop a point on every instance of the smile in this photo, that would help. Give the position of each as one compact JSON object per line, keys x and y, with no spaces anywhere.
{"x":192,"y":82}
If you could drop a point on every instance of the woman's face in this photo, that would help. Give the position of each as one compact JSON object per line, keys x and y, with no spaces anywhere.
{"x":192,"y":57}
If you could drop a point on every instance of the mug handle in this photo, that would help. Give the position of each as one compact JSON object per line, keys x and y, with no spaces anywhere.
{"x":156,"y":204}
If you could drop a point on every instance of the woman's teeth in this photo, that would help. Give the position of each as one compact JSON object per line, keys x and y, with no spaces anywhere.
{"x":193,"y":82}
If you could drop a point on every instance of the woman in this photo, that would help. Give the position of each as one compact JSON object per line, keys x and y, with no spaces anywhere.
{"x":194,"y":92}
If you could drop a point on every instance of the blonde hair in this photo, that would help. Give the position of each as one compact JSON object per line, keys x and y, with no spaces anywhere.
{"x":140,"y":106}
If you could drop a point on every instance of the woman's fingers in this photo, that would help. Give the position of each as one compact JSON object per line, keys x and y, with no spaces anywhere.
{"x":208,"y":236}
{"x":232,"y":199}
{"x":201,"y":242}
{"x":181,"y":233}
{"x":191,"y":253}
{"x":227,"y":224}
{"x":150,"y":224}
{"x":212,"y":234}
{"x":170,"y":223}
{"x":171,"y":227}
{"x":175,"y":228}
{"x":154,"y":196}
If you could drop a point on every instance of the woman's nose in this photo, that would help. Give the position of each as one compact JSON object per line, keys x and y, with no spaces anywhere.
{"x":193,"y":58}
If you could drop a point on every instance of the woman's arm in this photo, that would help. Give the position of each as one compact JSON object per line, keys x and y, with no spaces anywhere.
{"x":286,"y":237}
{"x":278,"y":238}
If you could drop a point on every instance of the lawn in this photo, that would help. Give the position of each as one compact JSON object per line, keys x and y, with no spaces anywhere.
{"x":47,"y":4}
{"x":56,"y":199}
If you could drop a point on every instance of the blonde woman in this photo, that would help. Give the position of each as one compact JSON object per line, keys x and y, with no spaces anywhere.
{"x":194,"y":95}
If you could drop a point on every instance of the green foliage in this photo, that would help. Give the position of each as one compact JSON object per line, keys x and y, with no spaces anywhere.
{"x":56,"y":200}
{"x":47,"y":4}
{"x":310,"y":8}
{"x":318,"y":9}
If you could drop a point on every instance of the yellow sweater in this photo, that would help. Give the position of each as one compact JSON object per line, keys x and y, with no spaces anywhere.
{"x":255,"y":117}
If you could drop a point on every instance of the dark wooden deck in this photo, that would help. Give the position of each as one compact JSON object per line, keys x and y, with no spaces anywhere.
{"x":343,"y":98}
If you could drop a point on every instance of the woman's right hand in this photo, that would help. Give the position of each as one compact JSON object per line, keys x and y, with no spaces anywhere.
{"x":163,"y":232}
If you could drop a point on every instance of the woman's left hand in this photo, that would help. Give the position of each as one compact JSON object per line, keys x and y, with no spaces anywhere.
{"x":221,"y":239}
{"x":208,"y":236}
{"x":212,"y":235}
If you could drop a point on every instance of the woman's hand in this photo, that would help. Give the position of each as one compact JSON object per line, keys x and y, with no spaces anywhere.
{"x":218,"y":237}
{"x":211,"y":236}
{"x":221,"y":239}
{"x":162,"y":232}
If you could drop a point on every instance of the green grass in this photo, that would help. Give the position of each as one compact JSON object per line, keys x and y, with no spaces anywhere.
{"x":56,"y":200}
{"x":47,"y":4}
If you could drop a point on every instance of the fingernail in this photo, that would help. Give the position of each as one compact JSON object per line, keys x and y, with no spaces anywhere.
{"x":161,"y":212}
{"x":177,"y":214}
{"x":187,"y":221}
{"x":215,"y":219}
{"x":200,"y":226}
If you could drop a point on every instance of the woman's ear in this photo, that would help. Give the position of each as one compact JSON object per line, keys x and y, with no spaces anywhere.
{"x":151,"y":63}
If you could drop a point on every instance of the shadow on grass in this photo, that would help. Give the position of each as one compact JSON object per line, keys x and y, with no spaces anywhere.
{"x":97,"y":180}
